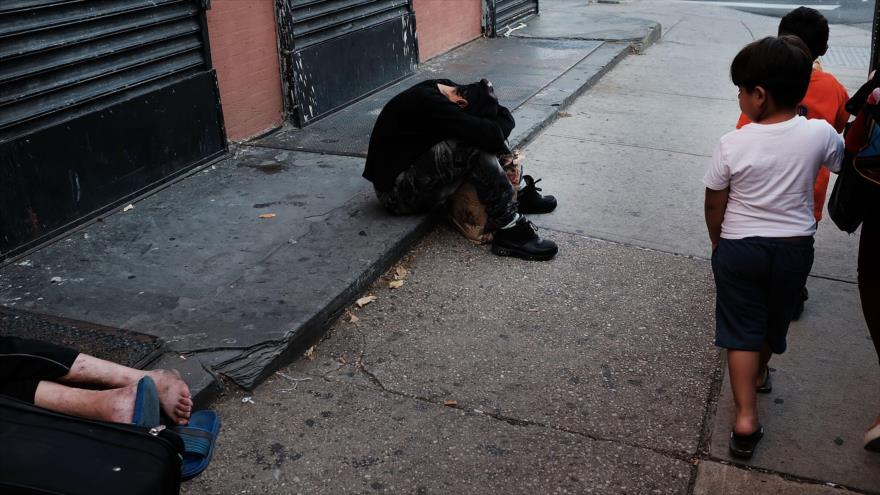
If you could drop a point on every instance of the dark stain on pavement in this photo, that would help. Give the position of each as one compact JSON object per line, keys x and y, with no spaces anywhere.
{"x":284,"y":203}
{"x":495,"y":450}
{"x":278,"y":453}
{"x":363,"y":462}
{"x":266,"y":168}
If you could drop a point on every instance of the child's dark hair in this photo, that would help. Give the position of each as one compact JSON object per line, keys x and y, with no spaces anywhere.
{"x":781,"y":65}
{"x":810,"y":26}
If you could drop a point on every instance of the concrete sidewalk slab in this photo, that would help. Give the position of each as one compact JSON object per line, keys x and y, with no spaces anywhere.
{"x":608,"y":341}
{"x":517,"y":68}
{"x":328,"y":437}
{"x":197,"y":266}
{"x":722,"y":479}
{"x":572,"y":21}
{"x":824,"y":396}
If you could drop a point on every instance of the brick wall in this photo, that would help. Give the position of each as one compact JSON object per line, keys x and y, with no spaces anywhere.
{"x":244,"y":50}
{"x":445,"y":24}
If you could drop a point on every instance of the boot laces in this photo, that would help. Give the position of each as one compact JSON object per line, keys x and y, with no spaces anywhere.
{"x":530,"y":183}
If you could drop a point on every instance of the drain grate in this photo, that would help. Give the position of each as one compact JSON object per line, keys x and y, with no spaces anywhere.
{"x":113,"y":344}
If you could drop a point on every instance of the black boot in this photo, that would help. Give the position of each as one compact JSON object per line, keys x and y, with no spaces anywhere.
{"x":523,"y":241}
{"x":531,"y":201}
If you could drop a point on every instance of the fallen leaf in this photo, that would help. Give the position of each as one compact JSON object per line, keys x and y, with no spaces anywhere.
{"x":400,"y":272}
{"x":128,"y":208}
{"x":311,"y":353}
{"x":267,"y":215}
{"x":395,"y":284}
{"x":353,"y":319}
{"x":450,"y":402}
{"x":365,"y":300}
{"x":564,"y":114}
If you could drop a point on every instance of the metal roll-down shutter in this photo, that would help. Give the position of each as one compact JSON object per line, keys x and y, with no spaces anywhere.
{"x":99,"y":99}
{"x":339,"y":50}
{"x":508,"y":13}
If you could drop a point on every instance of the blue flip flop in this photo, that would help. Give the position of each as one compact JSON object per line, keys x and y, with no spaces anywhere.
{"x":199,"y":437}
{"x":147,"y":410}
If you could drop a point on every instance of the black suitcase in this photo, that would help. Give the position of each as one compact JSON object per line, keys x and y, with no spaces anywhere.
{"x":46,"y":452}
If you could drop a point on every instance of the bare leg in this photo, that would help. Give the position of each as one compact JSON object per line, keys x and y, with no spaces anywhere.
{"x":174,"y":394}
{"x":766,"y":354}
{"x":115,"y":405}
{"x":743,"y":369}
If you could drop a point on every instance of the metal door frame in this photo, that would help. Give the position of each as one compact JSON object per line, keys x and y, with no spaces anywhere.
{"x":293,"y":105}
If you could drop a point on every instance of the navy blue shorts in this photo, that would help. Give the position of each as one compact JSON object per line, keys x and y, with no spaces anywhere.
{"x":758,"y":283}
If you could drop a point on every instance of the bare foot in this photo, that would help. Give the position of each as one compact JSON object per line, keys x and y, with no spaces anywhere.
{"x":174,"y":395}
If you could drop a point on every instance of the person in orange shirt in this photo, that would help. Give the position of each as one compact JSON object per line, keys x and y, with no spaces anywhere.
{"x":826,"y":97}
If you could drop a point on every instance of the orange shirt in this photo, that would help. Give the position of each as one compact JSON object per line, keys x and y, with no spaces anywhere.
{"x":825,"y":99}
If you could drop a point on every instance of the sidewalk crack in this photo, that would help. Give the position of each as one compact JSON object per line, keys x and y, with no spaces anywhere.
{"x":522,"y":423}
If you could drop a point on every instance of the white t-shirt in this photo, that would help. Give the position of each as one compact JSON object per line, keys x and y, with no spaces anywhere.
{"x":771,"y":169}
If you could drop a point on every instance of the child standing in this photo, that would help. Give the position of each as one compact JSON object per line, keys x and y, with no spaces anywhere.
{"x":759,"y":213}
{"x":825,"y":99}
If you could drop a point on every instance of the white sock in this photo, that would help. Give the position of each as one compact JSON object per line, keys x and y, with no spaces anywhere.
{"x":511,"y":224}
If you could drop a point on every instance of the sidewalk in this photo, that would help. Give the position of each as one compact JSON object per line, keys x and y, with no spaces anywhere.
{"x":237,"y":295}
{"x":593,"y":373}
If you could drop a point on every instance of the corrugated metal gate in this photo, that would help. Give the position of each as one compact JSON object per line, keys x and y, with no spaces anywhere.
{"x":99,"y":100}
{"x":335,"y":51}
{"x":507,"y":13}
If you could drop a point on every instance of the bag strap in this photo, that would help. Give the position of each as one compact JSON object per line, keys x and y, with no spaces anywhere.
{"x":854,"y":105}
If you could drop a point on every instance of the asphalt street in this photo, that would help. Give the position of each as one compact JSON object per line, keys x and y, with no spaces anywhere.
{"x":853,"y":12}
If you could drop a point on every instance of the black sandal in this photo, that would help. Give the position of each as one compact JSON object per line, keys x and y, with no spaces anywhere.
{"x":743,"y":446}
{"x":767,"y":386}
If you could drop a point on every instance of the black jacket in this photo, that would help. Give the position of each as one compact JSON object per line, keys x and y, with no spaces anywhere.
{"x":417,"y":119}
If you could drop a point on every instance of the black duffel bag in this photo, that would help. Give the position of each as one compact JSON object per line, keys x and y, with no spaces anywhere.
{"x":46,"y":452}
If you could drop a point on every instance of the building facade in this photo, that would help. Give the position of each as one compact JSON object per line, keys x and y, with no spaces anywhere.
{"x":101,"y":101}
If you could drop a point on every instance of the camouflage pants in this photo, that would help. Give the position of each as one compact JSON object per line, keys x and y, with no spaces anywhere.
{"x":437,"y":173}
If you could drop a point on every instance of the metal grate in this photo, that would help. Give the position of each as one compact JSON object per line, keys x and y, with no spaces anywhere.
{"x":316,"y":21}
{"x":113,"y":344}
{"x":59,"y":57}
{"x":508,"y":12}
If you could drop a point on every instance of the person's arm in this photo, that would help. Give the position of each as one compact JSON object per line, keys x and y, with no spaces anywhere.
{"x":834,"y":151}
{"x":717,"y":182}
{"x":451,"y":121}
{"x":505,"y":121}
{"x":715,"y":206}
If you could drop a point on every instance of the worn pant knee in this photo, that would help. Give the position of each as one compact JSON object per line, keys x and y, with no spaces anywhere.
{"x":493,"y":187}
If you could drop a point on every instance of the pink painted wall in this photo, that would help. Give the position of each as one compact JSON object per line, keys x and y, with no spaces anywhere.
{"x":444,"y":24}
{"x":244,"y":50}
